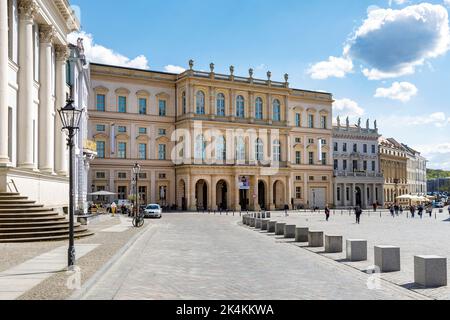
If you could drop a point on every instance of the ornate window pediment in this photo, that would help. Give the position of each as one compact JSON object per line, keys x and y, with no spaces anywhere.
{"x":122,"y":91}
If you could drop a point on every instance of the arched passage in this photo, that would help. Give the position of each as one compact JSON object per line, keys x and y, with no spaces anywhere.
{"x":262,"y":195}
{"x":278,"y":195}
{"x":182,"y":202}
{"x":222,"y":195}
{"x":358,"y":196}
{"x":201,"y":194}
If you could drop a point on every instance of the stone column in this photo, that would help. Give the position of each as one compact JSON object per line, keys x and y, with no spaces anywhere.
{"x":4,"y":158}
{"x":192,"y":195}
{"x":46,"y":103}
{"x":213,"y":195}
{"x":289,"y":190}
{"x":237,"y":205}
{"x":61,"y":153}
{"x":25,"y":143}
{"x":256,"y":205}
{"x":251,"y":107}
{"x":212,"y":102}
{"x":336,"y":203}
{"x":269,"y":108}
{"x":353,"y":195}
{"x":270,"y":189}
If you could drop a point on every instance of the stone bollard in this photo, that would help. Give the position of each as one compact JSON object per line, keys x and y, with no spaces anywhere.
{"x":356,"y":250}
{"x":430,"y":271}
{"x":252,"y":222}
{"x":268,"y":215}
{"x":333,"y":244}
{"x":315,"y":239}
{"x":387,"y":258}
{"x":258,"y":215}
{"x":301,"y":234}
{"x":263,"y":215}
{"x":264,"y":224}
{"x":258,"y":223}
{"x":271,"y":226}
{"x":289,"y":231}
{"x":279,"y":228}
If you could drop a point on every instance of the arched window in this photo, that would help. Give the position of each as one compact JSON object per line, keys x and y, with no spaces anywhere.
{"x":259,"y":150}
{"x":259,"y":108}
{"x":200,"y":147}
{"x":200,"y":103}
{"x":277,"y":151}
{"x":221,"y":104}
{"x":183,"y":102}
{"x":240,"y":107}
{"x":221,"y":148}
{"x":276,"y":110}
{"x":240,"y":149}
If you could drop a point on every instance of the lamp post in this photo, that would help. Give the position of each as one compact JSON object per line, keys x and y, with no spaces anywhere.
{"x":70,"y":119}
{"x":136,"y":171}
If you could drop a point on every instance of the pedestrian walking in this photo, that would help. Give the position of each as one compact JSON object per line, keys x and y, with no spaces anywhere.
{"x":420,"y":211}
{"x":327,"y":212}
{"x":358,"y":212}
{"x":396,"y":209}
{"x":113,"y":208}
{"x":391,"y":210}
{"x":401,"y":209}
{"x":412,"y":209}
{"x":375,"y":207}
{"x":449,"y":210}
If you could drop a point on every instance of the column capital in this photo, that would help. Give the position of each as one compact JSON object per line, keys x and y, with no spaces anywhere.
{"x":62,"y":52}
{"x":47,"y":33}
{"x":28,"y":9}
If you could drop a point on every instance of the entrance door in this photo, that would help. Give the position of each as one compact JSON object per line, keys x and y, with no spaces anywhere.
{"x":262,"y":195}
{"x":358,"y":196}
{"x":317,"y":197}
{"x":243,"y":199}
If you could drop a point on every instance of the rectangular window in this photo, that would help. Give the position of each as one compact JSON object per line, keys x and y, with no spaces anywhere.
{"x":101,"y":102}
{"x":122,"y":192}
{"x":298,"y":119}
{"x":162,"y":176}
{"x":338,"y":194}
{"x":142,"y":175}
{"x":100,"y":175}
{"x":365,"y":148}
{"x":310,"y":141}
{"x":324,"y":158}
{"x":122,"y":104}
{"x":122,"y":175}
{"x":347,"y":194}
{"x":311,"y":121}
{"x":324,"y":178}
{"x":162,"y":132}
{"x":323,"y":122}
{"x":336,"y":147}
{"x":373,"y":166}
{"x":101,"y":128}
{"x":122,"y":129}
{"x":162,"y":108}
{"x":355,"y":165}
{"x":365,"y":165}
{"x":142,"y":151}
{"x":298,"y":192}
{"x":336,"y":164}
{"x":355,"y":147}
{"x":142,"y":130}
{"x":298,"y":140}
{"x":162,"y":152}
{"x":142,"y":106}
{"x":298,"y":178}
{"x":311,"y":178}
{"x":101,"y":149}
{"x":344,"y":147}
{"x":344,"y":165}
{"x":311,"y":158}
{"x":298,"y":157}
{"x":122,"y":152}
{"x":374,"y":148}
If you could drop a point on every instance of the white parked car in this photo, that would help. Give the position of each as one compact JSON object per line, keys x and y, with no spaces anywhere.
{"x":153,"y":211}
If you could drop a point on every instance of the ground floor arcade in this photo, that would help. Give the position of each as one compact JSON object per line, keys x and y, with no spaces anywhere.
{"x":352,"y":194}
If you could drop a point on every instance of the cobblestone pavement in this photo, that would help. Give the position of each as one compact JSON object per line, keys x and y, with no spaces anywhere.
{"x":427,"y":236}
{"x":195,"y":256}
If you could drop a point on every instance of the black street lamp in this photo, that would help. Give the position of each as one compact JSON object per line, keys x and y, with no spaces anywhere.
{"x":136,"y":171}
{"x":70,"y":119}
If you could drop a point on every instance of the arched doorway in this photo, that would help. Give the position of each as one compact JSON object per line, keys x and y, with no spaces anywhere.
{"x":358,"y":196}
{"x":262,"y":195}
{"x":182,"y":193}
{"x":278,"y":195}
{"x":201,"y":195}
{"x":222,"y":195}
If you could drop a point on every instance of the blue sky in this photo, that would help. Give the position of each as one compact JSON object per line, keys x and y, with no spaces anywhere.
{"x":389,"y":59}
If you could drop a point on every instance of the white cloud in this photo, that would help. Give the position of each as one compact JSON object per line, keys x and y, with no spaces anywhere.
{"x":393,"y":43}
{"x":99,"y":54}
{"x":174,"y":69}
{"x":447,"y":3}
{"x":347,"y":108}
{"x":402,"y":91}
{"x":436,"y":119}
{"x":397,"y":2}
{"x":333,"y":67}
{"x":438,"y":155}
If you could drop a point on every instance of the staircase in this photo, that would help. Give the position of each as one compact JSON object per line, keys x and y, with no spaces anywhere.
{"x":22,"y":220}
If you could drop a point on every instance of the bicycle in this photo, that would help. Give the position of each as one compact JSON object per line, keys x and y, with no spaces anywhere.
{"x":139,"y":220}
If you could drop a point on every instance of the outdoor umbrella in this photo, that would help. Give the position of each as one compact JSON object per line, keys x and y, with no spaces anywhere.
{"x":102,"y":193}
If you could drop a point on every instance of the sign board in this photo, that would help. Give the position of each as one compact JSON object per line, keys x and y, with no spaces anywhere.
{"x":244,"y":183}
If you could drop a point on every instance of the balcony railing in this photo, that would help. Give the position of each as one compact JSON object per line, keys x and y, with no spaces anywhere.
{"x":338,"y":173}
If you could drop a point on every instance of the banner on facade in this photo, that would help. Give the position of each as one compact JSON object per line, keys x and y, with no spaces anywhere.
{"x":244,"y":183}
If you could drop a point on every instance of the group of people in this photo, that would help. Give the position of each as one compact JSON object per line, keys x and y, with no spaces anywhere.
{"x":396,"y":209}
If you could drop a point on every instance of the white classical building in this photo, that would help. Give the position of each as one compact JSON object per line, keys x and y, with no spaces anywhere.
{"x":33,"y":86}
{"x":357,"y":176}
{"x":416,"y":170}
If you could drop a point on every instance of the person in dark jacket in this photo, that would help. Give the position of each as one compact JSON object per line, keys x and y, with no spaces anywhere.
{"x":358,"y":213}
{"x":327,"y":213}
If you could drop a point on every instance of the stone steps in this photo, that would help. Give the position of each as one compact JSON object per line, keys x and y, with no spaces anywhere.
{"x":22,"y":220}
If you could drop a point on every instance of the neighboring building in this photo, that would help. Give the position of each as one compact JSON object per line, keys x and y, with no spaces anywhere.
{"x":357,"y":176}
{"x":438,"y":185}
{"x":33,"y":54}
{"x":84,"y":151}
{"x":242,"y":143}
{"x":417,"y":172}
{"x":393,"y":161}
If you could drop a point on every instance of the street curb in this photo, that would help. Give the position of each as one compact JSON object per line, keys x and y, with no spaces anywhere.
{"x":100,"y":272}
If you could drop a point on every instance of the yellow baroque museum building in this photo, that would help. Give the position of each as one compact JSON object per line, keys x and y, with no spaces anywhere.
{"x":210,"y":141}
